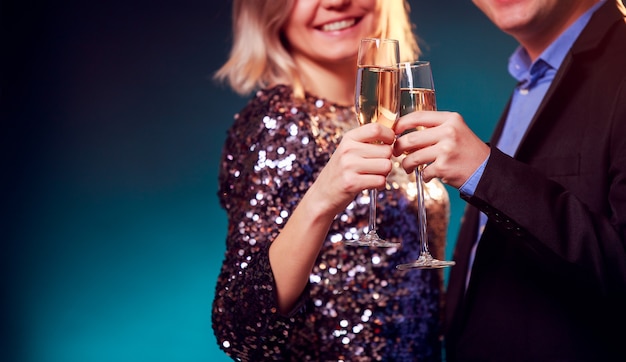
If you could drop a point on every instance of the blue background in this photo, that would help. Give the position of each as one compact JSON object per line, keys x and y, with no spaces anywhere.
{"x":112,"y":131}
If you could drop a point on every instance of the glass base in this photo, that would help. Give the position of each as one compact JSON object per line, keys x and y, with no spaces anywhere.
{"x":372,"y":239}
{"x":426,"y":261}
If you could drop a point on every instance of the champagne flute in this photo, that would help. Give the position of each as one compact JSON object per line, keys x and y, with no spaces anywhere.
{"x":377,"y":100}
{"x":417,"y":93}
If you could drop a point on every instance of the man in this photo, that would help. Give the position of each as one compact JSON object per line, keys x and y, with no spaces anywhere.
{"x":541,"y":259}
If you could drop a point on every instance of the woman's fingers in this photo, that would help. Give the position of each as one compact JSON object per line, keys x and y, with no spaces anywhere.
{"x":373,"y":133}
{"x":365,"y":151}
{"x":361,"y":161}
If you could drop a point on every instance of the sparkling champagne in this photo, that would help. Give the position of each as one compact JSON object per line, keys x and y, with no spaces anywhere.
{"x":377,"y":95}
{"x":416,"y":99}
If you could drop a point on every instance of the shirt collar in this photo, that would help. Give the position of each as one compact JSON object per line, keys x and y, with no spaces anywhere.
{"x":520,"y":66}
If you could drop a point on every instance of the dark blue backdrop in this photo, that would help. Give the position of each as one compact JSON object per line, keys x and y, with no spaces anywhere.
{"x":112,"y":233}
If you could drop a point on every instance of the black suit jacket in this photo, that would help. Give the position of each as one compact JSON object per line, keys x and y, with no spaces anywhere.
{"x":549,"y":278}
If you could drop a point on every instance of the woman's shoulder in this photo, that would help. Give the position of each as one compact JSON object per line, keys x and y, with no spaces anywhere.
{"x":281,"y":103}
{"x":277,"y":108}
{"x":281,"y":98}
{"x":278,"y":94}
{"x":268,"y":113}
{"x":267,"y":101}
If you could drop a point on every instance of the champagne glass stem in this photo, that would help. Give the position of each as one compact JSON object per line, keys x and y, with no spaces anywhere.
{"x":425,"y":259}
{"x":372,"y":218}
{"x":421,"y":206}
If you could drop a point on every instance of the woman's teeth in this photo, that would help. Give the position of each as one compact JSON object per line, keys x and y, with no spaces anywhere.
{"x":338,"y":25}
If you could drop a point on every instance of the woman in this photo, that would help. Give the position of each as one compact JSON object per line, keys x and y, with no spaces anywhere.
{"x":292,"y":176}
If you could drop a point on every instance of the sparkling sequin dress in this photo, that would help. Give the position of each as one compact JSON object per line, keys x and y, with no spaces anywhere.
{"x":357,"y":306}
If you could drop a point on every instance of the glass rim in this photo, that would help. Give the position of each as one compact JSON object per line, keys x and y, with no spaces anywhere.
{"x":414,"y":63}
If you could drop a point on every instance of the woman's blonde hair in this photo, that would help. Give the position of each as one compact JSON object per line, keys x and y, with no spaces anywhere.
{"x":259,"y":58}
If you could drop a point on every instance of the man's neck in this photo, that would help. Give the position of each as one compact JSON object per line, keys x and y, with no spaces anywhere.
{"x":540,"y":36}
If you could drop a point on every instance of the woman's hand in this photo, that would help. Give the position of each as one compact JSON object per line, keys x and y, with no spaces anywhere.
{"x":447,"y":145}
{"x":361,"y":161}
